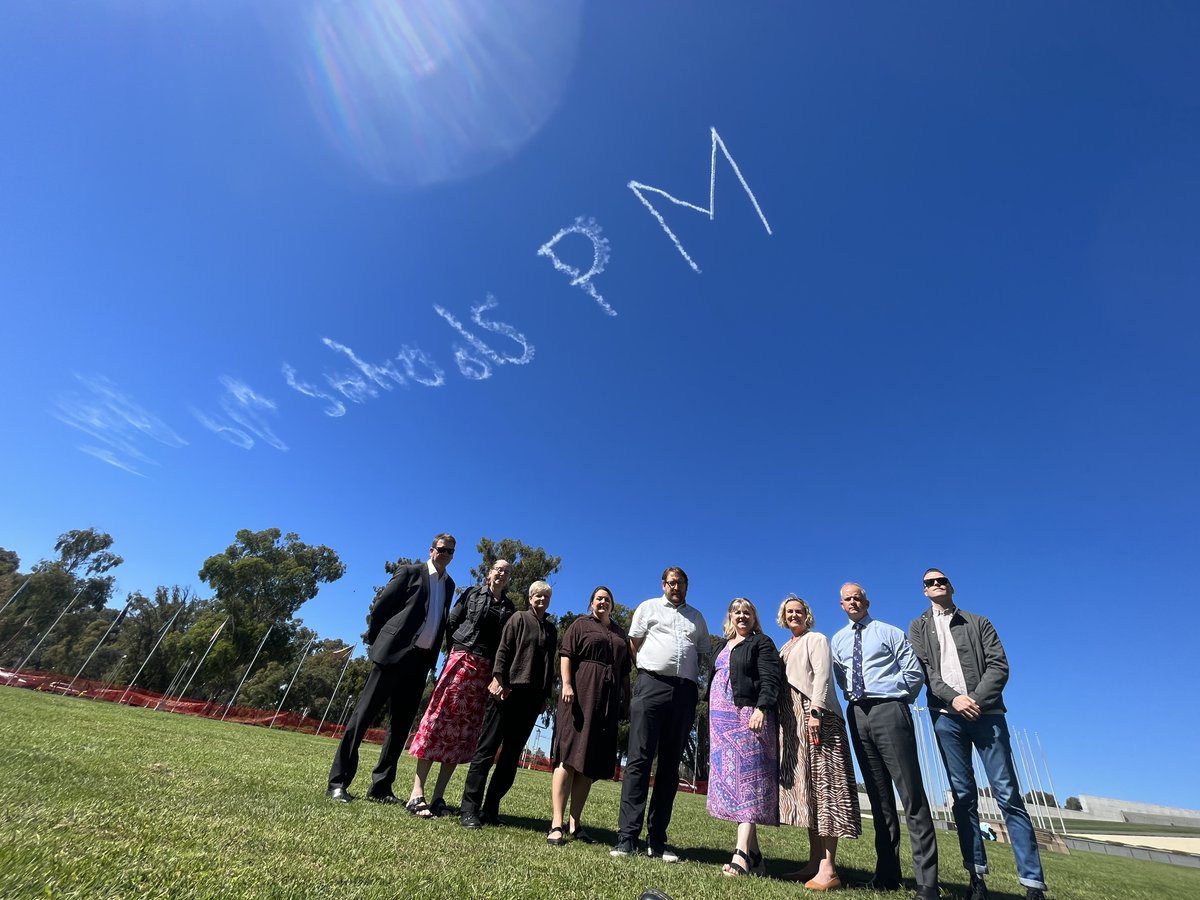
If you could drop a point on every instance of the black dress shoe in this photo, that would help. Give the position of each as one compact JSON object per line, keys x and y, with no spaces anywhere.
{"x":470,"y":820}
{"x":927,"y":892}
{"x":384,"y":798}
{"x":339,"y":794}
{"x":490,"y":818}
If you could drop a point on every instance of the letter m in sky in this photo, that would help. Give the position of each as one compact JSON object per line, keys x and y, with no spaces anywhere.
{"x":641,"y":190}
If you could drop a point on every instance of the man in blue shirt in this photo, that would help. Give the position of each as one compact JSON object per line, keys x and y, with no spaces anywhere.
{"x":880,"y":675}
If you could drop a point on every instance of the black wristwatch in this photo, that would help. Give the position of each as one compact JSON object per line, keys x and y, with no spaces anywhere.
{"x":816,"y":713}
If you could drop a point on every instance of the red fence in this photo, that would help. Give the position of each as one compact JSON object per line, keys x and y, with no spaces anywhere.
{"x":54,"y":683}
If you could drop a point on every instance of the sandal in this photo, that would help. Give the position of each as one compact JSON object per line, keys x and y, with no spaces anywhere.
{"x":438,"y":807}
{"x":579,"y":834}
{"x":419,"y":808}
{"x":556,"y":841}
{"x":733,"y":870}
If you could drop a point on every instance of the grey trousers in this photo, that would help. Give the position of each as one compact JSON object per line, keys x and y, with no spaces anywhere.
{"x":886,"y":747}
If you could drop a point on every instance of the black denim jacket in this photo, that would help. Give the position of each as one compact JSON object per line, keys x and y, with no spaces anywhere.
{"x":475,"y":622}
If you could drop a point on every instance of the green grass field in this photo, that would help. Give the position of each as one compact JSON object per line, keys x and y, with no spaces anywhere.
{"x":98,"y":800}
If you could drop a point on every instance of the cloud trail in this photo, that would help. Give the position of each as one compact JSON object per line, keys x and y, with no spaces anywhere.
{"x":117,"y":421}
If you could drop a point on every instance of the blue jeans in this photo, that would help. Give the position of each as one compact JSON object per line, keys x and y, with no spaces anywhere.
{"x":989,"y":736}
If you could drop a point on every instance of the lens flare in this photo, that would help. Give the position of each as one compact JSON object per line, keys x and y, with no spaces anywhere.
{"x":421,"y":92}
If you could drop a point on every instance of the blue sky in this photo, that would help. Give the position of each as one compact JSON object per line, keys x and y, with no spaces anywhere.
{"x":967,"y":339}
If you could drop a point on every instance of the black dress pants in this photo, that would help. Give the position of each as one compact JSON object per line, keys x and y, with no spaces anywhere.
{"x":507,"y":725}
{"x":886,"y":746}
{"x":400,"y":684}
{"x":660,"y":720}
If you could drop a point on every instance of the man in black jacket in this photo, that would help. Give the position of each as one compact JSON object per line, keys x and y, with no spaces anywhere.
{"x":966,"y":668}
{"x":405,"y":629}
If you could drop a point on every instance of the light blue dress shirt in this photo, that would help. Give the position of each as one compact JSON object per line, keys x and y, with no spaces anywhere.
{"x":890,"y":667}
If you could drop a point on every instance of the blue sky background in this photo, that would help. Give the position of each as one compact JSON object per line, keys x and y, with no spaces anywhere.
{"x":968,"y":341}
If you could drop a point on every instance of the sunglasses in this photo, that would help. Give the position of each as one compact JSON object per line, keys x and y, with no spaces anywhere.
{"x":443,"y":551}
{"x":937,"y":582}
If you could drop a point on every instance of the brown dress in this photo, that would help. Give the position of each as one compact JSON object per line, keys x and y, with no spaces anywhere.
{"x":816,"y":784}
{"x":585,"y":732}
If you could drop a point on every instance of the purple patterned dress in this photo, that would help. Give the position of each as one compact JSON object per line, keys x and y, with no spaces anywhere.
{"x":743,"y":769}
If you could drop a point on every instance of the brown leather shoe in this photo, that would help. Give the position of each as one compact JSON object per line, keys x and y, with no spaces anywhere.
{"x":832,"y":884}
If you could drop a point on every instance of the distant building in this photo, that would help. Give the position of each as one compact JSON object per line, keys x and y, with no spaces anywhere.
{"x":1112,"y":810}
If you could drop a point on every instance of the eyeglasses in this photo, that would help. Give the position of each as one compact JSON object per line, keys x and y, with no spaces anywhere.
{"x":937,"y":582}
{"x":444,"y":551}
{"x":674,"y":583}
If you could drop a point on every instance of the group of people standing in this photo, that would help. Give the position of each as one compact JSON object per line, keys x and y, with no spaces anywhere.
{"x":779,"y":739}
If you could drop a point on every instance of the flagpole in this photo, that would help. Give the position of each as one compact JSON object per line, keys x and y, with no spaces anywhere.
{"x":212,"y":640}
{"x":246,"y":674}
{"x":342,"y":675}
{"x":14,"y":596}
{"x":162,"y":634}
{"x":1046,"y":764}
{"x":51,"y":628}
{"x":345,"y":709}
{"x":175,"y":679}
{"x":288,"y":690}
{"x":97,"y":647}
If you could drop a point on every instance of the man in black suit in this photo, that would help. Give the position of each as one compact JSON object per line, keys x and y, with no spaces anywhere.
{"x":406,"y":626}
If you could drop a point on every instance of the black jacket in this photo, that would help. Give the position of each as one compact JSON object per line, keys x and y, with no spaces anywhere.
{"x":399,"y":612}
{"x":475,"y":622}
{"x":754,"y":672}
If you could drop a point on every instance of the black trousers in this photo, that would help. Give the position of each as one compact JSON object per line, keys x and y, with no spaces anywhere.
{"x":886,"y":746}
{"x":507,"y":725}
{"x":660,"y":720}
{"x":400,"y":684}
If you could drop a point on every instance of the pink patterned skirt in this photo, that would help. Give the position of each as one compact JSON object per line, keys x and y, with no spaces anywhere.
{"x":449,"y":730}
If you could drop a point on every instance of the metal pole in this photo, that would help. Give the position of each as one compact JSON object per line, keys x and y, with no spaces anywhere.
{"x":107,"y":632}
{"x":341,"y":675}
{"x":16,"y":634}
{"x":246,"y":675}
{"x":946,"y":791}
{"x":112,"y":674}
{"x":1038,"y":776}
{"x":1046,"y":765}
{"x":162,"y":634}
{"x":923,"y":755}
{"x":175,"y":680}
{"x":14,"y":595}
{"x":1016,"y":735}
{"x":345,"y":711}
{"x":211,"y":641}
{"x":50,"y":629}
{"x":288,"y":689}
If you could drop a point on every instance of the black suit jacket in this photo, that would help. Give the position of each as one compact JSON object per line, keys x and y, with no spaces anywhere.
{"x":399,"y":612}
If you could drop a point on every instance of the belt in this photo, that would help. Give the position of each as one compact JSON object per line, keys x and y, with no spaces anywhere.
{"x":874,"y":701}
{"x":669,"y":679}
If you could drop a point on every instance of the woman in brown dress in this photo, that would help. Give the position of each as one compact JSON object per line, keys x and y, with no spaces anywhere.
{"x":595,"y":677}
{"x":816,"y":774}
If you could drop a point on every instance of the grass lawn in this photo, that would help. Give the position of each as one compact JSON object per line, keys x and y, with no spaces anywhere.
{"x":99,"y":800}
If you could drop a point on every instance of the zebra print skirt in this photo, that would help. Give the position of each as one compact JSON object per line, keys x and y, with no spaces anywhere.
{"x":816,"y":784}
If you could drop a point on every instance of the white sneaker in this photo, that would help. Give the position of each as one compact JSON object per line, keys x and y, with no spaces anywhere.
{"x":665,"y":852}
{"x":623,"y":848}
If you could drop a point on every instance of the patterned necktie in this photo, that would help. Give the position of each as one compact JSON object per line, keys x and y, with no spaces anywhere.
{"x":857,"y":686}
